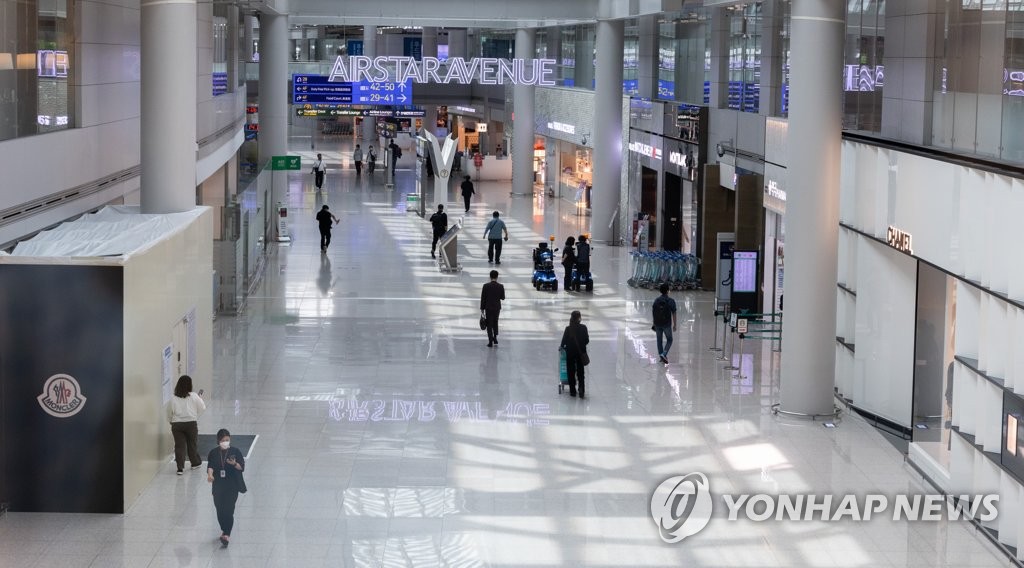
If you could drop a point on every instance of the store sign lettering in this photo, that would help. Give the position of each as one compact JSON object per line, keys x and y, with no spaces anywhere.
{"x":483,"y":70}
{"x":677,"y":159}
{"x":773,"y":190}
{"x":562,"y":127}
{"x":899,"y":240}
{"x":645,"y":150}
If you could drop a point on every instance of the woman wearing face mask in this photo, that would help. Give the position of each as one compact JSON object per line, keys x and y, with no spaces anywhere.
{"x":224,"y":471}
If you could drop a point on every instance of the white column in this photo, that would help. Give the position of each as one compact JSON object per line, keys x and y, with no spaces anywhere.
{"x":247,"y":38}
{"x":370,"y":123}
{"x":273,"y":97}
{"x":457,"y":46}
{"x":168,"y":105}
{"x":429,"y":41}
{"x":812,"y":210}
{"x":647,"y":75}
{"x":608,"y":129}
{"x":523,"y":125}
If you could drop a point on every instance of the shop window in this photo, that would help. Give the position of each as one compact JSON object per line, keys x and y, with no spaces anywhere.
{"x":37,"y":63}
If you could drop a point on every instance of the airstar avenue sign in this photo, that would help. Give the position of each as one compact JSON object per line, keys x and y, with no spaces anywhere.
{"x":483,"y":70}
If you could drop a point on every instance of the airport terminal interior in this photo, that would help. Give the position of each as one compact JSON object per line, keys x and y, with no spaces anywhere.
{"x":824,"y":189}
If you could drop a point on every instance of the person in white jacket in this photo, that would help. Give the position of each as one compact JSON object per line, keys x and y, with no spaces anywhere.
{"x":183,"y":413}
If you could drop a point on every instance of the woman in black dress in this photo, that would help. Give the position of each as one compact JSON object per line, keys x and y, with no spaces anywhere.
{"x":224,"y":470}
{"x":574,"y":340}
{"x":568,"y":261}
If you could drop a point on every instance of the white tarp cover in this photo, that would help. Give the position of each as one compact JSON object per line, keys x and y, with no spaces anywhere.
{"x":115,"y":230}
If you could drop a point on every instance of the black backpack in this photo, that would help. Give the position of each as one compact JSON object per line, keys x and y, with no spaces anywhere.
{"x":662,"y":311}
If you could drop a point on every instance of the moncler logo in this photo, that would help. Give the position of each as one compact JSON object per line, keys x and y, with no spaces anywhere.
{"x":62,"y":397}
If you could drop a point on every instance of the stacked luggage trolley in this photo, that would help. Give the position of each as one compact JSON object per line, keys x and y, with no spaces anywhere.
{"x":651,"y":269}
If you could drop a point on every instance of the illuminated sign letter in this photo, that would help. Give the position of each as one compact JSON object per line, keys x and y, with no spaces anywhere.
{"x":339,"y":72}
{"x":488,"y":71}
{"x":547,"y":69}
{"x":507,"y":69}
{"x":430,"y":67}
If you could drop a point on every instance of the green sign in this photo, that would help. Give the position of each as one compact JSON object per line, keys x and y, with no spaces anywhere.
{"x":286,"y":163}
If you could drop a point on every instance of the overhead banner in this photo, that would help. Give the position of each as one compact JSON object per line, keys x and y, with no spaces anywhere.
{"x":483,"y":70}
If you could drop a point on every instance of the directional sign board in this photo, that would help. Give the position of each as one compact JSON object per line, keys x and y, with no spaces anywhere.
{"x":317,"y":89}
{"x":327,"y":110}
{"x":285,"y":163}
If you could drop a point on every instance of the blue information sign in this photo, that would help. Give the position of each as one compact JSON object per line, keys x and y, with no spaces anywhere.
{"x":318,"y":89}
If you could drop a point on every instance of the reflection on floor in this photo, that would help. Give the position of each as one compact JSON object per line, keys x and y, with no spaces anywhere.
{"x":390,"y":435}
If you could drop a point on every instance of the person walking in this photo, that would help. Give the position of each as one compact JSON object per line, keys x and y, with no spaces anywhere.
{"x":574,"y":341}
{"x":568,"y":261}
{"x":224,"y":467}
{"x":664,"y":316}
{"x":324,"y":218}
{"x":493,"y":233}
{"x":357,"y":157}
{"x":467,"y":191}
{"x":183,"y":414}
{"x":491,"y":297}
{"x":371,"y":157}
{"x":396,"y":152}
{"x":319,"y":169}
{"x":439,"y":223}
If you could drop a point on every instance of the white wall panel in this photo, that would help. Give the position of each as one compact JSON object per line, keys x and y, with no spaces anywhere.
{"x":864,"y":162}
{"x":848,"y":188}
{"x":161,"y":285}
{"x":1009,"y":510}
{"x":100,"y":22}
{"x":108,"y":102}
{"x":108,"y":63}
{"x":1015,"y":213}
{"x":990,"y":433}
{"x":1015,"y":370}
{"x":968,"y":308}
{"x":964,"y":382}
{"x":885,"y":323}
{"x":961,"y":466}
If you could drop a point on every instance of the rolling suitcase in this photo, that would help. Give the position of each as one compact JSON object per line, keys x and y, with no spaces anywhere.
{"x":563,"y":374}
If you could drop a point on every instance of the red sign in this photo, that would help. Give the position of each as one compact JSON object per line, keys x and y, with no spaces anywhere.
{"x":478,"y":159}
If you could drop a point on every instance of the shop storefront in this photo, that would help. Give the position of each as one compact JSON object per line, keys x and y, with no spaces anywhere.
{"x":563,"y":151}
{"x":667,"y":148}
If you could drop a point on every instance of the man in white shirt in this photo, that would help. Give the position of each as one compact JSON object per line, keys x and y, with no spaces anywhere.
{"x":319,"y":169}
{"x":357,"y":157}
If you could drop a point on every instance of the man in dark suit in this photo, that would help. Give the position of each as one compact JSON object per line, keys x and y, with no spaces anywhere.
{"x":490,"y":306}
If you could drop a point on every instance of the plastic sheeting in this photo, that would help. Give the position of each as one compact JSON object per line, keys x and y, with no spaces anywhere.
{"x":112,"y":231}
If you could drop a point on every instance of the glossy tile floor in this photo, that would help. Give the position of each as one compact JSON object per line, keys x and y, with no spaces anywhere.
{"x":390,"y":435}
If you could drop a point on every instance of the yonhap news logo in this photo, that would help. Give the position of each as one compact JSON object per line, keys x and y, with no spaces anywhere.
{"x":682,"y":506}
{"x":62,"y":396}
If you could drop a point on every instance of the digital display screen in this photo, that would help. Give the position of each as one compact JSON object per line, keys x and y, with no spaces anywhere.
{"x":744,"y":271}
{"x":1012,"y":456}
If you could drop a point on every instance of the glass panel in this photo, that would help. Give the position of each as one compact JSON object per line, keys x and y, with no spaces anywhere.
{"x":36,"y":67}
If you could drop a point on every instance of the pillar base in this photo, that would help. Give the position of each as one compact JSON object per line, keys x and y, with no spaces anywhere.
{"x":836,"y":411}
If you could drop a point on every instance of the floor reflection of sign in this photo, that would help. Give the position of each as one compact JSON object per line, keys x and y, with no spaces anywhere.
{"x":744,"y":271}
{"x":166,"y":374}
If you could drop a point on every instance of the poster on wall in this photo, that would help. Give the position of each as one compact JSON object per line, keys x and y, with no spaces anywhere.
{"x":166,"y":373}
